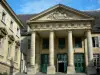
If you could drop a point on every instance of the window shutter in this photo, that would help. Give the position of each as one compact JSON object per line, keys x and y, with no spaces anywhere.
{"x":99,"y":41}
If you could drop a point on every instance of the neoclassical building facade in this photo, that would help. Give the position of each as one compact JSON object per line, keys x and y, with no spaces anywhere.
{"x":61,"y":39}
{"x":9,"y":40}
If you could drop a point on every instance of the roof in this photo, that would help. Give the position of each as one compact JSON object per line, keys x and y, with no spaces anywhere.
{"x":94,"y":13}
{"x":25,"y":17}
{"x":3,"y":2}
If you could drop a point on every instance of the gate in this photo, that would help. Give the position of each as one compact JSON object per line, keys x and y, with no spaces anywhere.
{"x":44,"y":62}
{"x":79,"y":62}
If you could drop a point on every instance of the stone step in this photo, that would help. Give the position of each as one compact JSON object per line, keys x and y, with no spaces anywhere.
{"x":57,"y":73}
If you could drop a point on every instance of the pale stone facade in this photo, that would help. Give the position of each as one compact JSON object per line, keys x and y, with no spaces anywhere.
{"x":9,"y":40}
{"x":59,"y":22}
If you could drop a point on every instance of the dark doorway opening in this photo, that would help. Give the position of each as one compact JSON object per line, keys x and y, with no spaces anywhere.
{"x":61,"y":67}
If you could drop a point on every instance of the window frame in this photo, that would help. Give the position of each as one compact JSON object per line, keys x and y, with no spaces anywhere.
{"x":63,"y":45}
{"x":18,"y":31}
{"x":9,"y":49}
{"x":46,"y":45}
{"x":95,"y":41}
{"x":11,"y":25}
{"x":29,"y":44}
{"x":16,"y":53}
{"x":3,"y":17}
{"x":80,"y":46}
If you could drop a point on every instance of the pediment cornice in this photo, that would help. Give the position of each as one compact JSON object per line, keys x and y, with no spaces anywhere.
{"x":59,"y":12}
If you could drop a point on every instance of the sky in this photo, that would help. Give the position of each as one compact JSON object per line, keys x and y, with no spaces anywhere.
{"x":37,"y":6}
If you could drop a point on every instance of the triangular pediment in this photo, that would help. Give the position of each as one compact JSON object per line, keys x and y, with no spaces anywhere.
{"x":60,"y":12}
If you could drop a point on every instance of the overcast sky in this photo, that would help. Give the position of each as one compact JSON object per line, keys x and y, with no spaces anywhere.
{"x":36,"y":6}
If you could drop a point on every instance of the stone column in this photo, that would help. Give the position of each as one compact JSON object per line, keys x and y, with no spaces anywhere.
{"x":51,"y":67}
{"x":86,"y":52}
{"x":32,"y":67}
{"x":91,"y":68}
{"x":70,"y":68}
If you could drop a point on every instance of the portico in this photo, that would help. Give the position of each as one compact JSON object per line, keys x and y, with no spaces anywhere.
{"x":52,"y":51}
{"x":52,"y":25}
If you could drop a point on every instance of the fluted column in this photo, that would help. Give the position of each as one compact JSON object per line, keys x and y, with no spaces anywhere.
{"x":51,"y":67}
{"x":70,"y":67}
{"x":91,"y":68}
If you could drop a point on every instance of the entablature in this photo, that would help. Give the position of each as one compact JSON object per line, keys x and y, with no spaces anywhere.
{"x":61,"y":26}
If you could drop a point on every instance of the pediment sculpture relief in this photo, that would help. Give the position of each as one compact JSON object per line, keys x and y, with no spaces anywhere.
{"x":60,"y":14}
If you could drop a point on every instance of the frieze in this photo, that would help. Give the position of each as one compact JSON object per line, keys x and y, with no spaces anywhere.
{"x":58,"y":26}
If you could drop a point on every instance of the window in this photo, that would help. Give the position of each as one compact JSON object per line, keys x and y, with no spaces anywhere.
{"x":3,"y":17}
{"x":97,"y":61}
{"x":45,"y":43}
{"x":78,"y":43}
{"x":61,"y":43}
{"x":29,"y":43}
{"x":95,"y":41}
{"x":0,"y":42}
{"x":11,"y":25}
{"x":18,"y":31}
{"x":9,"y":48}
{"x":16,"y":53}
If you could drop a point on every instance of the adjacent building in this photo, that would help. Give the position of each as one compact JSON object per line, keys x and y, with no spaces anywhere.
{"x":61,"y":39}
{"x":9,"y":40}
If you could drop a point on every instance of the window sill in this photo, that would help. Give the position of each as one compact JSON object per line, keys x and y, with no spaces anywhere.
{"x":78,"y":48}
{"x":96,"y":47}
{"x":45,"y":49}
{"x":3,"y":22}
{"x":17,"y":36}
{"x":11,"y":30}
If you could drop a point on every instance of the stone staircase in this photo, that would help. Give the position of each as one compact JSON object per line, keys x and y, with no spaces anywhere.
{"x":58,"y":73}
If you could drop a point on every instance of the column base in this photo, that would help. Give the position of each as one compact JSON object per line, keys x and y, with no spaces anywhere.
{"x":91,"y":70}
{"x":31,"y":70}
{"x":70,"y":70}
{"x":51,"y":70}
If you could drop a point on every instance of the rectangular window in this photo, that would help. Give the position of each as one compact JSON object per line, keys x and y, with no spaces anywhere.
{"x":61,"y":43}
{"x":95,"y":41}
{"x":78,"y":43}
{"x":9,"y":48}
{"x":11,"y":25}
{"x":18,"y":31}
{"x":0,"y":42}
{"x":29,"y":43}
{"x":97,"y":61}
{"x":16,"y":53}
{"x":45,"y":43}
{"x":3,"y":17}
